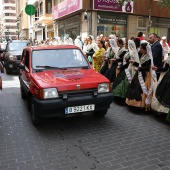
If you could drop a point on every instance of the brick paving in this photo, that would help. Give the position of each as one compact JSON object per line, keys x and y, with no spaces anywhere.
{"x":126,"y":139}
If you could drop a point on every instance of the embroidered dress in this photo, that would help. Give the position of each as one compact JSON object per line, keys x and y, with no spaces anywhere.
{"x":135,"y":94}
{"x":111,"y":72}
{"x":155,"y":104}
{"x":109,"y":55}
{"x":98,"y":60}
{"x":121,"y":83}
{"x":163,"y":89}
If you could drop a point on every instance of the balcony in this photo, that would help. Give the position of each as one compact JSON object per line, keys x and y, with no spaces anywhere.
{"x":9,"y":4}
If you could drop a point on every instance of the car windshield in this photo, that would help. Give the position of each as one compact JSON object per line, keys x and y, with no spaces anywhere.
{"x":17,"y":46}
{"x":64,"y":58}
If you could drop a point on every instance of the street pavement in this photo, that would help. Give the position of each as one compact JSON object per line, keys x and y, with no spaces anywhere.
{"x":125,"y":139}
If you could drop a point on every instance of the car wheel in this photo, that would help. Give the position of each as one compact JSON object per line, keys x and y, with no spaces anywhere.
{"x":34,"y":115}
{"x":8,"y":70}
{"x":23,"y":95}
{"x":100,"y":113}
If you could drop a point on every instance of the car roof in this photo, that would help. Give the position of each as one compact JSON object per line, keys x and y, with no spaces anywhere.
{"x":52,"y":47}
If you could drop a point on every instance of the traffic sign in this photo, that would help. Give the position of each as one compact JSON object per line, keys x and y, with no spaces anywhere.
{"x":30,"y":10}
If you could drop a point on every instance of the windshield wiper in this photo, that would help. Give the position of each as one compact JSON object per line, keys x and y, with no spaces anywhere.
{"x":50,"y":67}
{"x":85,"y":67}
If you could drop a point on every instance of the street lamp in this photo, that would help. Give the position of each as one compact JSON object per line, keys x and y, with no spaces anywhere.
{"x":18,"y":22}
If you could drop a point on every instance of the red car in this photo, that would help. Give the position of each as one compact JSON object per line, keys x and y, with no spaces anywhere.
{"x":59,"y":81}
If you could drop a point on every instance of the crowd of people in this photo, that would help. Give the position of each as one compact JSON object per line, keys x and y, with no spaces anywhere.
{"x":138,"y":68}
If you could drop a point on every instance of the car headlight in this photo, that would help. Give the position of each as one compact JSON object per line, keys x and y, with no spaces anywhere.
{"x":103,"y":88}
{"x":50,"y":93}
{"x":12,"y":57}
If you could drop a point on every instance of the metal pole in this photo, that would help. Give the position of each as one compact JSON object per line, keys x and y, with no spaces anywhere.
{"x":149,"y":16}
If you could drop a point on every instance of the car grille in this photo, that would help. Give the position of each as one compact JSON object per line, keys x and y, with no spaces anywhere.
{"x":18,"y":57}
{"x":78,"y":93}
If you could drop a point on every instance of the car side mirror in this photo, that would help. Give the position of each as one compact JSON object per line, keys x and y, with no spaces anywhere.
{"x":22,"y":67}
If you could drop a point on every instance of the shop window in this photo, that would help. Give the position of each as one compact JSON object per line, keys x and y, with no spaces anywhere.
{"x":142,"y":22}
{"x":107,"y":29}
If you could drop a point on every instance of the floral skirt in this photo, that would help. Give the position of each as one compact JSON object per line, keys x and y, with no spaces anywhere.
{"x":121,"y":84}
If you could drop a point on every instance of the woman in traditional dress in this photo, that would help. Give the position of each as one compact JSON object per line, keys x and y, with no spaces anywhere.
{"x":124,"y":77}
{"x":112,"y":65}
{"x":91,"y":48}
{"x":156,"y":106}
{"x":139,"y":93}
{"x":98,"y":56}
{"x":109,"y":54}
{"x":163,"y":90}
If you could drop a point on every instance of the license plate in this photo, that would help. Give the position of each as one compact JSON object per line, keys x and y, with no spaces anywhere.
{"x":78,"y":109}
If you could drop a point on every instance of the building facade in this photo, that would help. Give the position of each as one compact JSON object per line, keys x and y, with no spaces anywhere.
{"x":9,"y":26}
{"x":65,"y":18}
{"x":83,"y":17}
{"x":22,"y":20}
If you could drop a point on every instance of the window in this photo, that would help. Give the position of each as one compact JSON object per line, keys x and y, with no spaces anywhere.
{"x":41,"y":8}
{"x":37,"y":14}
{"x":66,"y":58}
{"x":27,"y":59}
{"x":55,"y":2}
{"x":48,"y":6}
{"x":142,"y":22}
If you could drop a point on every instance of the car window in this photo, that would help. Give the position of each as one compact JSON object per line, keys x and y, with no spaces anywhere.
{"x":64,"y":58}
{"x":17,"y":46}
{"x":27,"y":59}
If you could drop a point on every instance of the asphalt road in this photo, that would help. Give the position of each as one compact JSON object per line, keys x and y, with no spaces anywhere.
{"x":126,"y":139}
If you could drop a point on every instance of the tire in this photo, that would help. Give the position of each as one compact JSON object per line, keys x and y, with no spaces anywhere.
{"x":23,"y":95}
{"x":8,"y":70}
{"x":36,"y":120}
{"x":100,"y":113}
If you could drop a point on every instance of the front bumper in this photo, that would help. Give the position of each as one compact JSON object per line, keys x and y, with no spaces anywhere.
{"x":56,"y":107}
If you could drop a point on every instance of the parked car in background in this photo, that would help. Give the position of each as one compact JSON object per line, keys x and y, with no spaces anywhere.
{"x":59,"y":81}
{"x":3,"y":47}
{"x":12,"y":54}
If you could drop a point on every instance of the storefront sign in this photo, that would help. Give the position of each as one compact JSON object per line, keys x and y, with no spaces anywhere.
{"x":66,"y":7}
{"x":118,"y":20}
{"x":125,"y":6}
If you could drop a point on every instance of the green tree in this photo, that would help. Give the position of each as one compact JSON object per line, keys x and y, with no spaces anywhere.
{"x":165,"y":3}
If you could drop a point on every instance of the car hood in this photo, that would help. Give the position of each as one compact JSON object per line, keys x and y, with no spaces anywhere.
{"x":16,"y":52}
{"x":66,"y":80}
